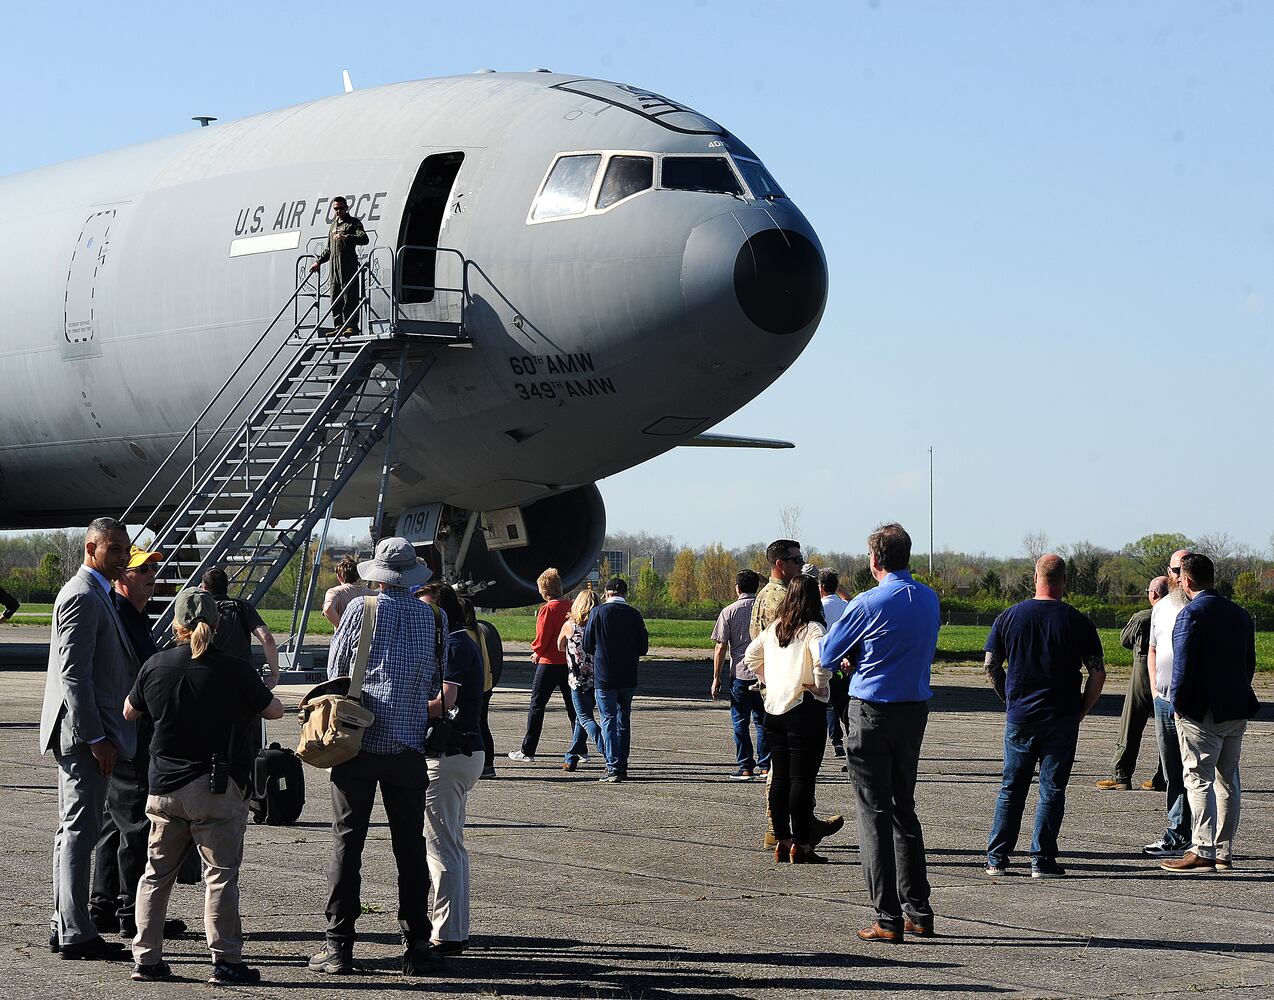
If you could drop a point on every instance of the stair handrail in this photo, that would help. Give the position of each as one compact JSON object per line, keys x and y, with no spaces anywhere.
{"x":233,"y":441}
{"x":399,"y":285}
{"x":193,"y":431}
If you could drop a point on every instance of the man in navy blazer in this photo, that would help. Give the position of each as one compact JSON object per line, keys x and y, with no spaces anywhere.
{"x":1213,"y":660}
{"x":616,"y":637}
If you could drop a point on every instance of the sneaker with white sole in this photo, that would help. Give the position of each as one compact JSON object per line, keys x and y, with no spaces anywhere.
{"x":519,"y":755}
{"x":1161,"y":850}
{"x":1047,"y":869}
{"x":996,"y":871}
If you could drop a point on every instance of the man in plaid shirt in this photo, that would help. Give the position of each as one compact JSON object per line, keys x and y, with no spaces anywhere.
{"x":403,"y":673}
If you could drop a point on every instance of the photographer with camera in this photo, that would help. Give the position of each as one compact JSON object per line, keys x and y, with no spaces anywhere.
{"x":197,"y":698}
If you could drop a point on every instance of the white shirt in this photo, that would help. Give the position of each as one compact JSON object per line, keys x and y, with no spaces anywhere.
{"x":787,"y":669}
{"x":833,"y":607}
{"x":102,"y":582}
{"x":1163,"y":616}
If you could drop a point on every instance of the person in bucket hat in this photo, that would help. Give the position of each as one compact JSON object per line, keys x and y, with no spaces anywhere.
{"x":403,"y":673}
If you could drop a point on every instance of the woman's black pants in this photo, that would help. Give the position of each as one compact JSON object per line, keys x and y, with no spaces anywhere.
{"x":797,"y":739}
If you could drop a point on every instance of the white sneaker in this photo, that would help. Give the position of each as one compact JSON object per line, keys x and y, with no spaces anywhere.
{"x":519,"y":755}
{"x":583,"y":758}
{"x":1161,"y":850}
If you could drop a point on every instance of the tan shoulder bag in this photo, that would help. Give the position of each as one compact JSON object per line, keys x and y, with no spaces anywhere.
{"x":333,"y":718}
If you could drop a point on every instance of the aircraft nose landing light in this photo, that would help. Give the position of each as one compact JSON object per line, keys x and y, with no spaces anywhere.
{"x":780,"y":280}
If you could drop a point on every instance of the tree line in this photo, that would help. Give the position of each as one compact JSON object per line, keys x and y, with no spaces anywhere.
{"x":668,"y":580}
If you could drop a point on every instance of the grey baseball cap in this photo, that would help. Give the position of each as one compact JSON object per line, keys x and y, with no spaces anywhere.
{"x":195,"y":606}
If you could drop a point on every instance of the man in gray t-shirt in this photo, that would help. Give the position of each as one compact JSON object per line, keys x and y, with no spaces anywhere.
{"x":731,"y":637}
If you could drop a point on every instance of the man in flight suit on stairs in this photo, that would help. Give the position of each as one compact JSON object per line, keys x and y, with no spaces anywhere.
{"x":344,"y":236}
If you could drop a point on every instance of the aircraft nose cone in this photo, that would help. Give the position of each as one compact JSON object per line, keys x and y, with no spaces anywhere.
{"x":780,"y":280}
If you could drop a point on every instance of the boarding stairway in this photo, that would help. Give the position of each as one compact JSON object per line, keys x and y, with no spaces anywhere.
{"x":264,"y":461}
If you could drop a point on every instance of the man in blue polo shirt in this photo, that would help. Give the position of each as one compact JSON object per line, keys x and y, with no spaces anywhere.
{"x":888,"y":635}
{"x":1047,"y":644}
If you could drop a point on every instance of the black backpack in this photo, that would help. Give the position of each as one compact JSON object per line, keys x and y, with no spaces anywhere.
{"x":278,"y":787}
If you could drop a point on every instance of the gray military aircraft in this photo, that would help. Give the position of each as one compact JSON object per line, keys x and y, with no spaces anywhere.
{"x":624,"y":272}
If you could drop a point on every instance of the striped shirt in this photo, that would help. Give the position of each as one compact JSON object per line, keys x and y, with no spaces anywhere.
{"x":403,"y":671}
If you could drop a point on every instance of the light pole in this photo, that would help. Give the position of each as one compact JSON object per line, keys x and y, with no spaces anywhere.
{"x":931,"y":512}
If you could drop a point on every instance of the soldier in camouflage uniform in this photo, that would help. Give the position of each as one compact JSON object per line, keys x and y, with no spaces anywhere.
{"x":785,"y":559}
{"x":344,"y":236}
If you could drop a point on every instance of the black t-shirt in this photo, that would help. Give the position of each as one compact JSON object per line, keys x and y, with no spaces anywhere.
{"x":1044,"y":643}
{"x":195,"y":704}
{"x":464,"y":667}
{"x":239,"y":620}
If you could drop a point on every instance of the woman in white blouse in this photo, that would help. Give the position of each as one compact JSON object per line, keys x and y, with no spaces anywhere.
{"x":797,"y":686}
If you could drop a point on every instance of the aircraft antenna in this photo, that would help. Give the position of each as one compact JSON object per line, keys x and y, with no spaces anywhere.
{"x":349,"y":86}
{"x":203,"y":120}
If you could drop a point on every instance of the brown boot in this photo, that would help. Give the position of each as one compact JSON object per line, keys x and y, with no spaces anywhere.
{"x":821,"y":828}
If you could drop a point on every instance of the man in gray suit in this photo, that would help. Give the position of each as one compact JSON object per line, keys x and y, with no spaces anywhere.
{"x":91,"y":669}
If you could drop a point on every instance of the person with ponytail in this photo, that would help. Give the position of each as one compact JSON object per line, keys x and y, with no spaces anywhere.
{"x":785,"y":658}
{"x":580,"y":665}
{"x":197,"y":697}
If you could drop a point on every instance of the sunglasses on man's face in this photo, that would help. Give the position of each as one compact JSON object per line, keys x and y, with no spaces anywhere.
{"x":147,"y":569}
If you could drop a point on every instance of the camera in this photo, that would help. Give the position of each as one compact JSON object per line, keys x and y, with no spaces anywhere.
{"x":219,"y":780}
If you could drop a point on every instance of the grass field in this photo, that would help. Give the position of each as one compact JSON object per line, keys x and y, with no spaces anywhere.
{"x":956,"y":643}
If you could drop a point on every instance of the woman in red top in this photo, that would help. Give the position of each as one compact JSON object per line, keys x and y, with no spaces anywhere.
{"x":550,"y":663}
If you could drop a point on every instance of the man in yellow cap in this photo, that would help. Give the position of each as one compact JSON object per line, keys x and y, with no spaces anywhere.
{"x":120,"y":855}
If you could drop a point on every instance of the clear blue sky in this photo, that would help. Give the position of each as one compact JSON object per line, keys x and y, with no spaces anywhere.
{"x":1049,"y":228}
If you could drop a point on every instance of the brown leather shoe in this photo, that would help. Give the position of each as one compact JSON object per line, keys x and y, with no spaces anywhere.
{"x":783,"y":850}
{"x":1188,"y":864}
{"x":920,"y":930}
{"x":1111,"y":784}
{"x":568,"y":765}
{"x":877,"y":933}
{"x":1150,"y":785}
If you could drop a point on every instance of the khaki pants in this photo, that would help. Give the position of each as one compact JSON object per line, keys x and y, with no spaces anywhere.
{"x":1210,"y":766}
{"x":216,"y":824}
{"x":450,"y":779}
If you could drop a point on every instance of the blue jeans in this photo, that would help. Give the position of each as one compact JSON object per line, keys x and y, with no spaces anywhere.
{"x":1178,"y":832}
{"x":745,"y":704}
{"x":616,"y":708}
{"x":1051,"y":743}
{"x":585,"y":726}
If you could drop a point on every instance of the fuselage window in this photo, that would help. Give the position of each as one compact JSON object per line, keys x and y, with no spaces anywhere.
{"x":625,"y":175}
{"x":699,"y":173}
{"x":758,"y":178}
{"x":566,"y":190}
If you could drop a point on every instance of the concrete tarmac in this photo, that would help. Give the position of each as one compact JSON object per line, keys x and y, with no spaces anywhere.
{"x":657,"y":887}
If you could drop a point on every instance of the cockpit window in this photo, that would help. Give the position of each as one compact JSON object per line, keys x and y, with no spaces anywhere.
{"x":758,"y":178}
{"x":566,"y":190}
{"x":699,"y":173}
{"x":625,"y":175}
